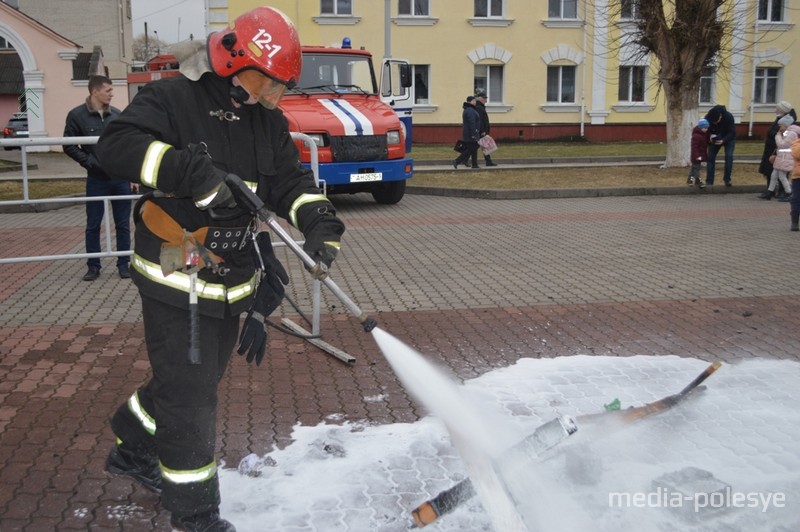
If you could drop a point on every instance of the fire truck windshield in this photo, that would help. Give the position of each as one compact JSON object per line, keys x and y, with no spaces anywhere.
{"x":336,"y":73}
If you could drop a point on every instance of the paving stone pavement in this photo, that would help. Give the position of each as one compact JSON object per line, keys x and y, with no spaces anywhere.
{"x":473,"y":284}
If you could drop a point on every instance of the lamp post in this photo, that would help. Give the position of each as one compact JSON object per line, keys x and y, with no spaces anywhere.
{"x":158,"y":44}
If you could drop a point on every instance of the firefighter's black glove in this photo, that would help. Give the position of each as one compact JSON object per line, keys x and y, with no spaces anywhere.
{"x":323,"y":239}
{"x":207,"y":182}
{"x":220,"y":196}
{"x":242,"y":194}
{"x":253,"y":339}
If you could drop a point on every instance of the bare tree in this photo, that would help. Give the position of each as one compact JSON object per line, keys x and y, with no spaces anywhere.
{"x":683,"y":37}
{"x":684,"y":45}
{"x":145,"y":48}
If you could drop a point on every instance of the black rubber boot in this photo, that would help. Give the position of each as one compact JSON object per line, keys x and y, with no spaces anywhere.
{"x":206,"y":522}
{"x":795,"y":222}
{"x":142,"y":467}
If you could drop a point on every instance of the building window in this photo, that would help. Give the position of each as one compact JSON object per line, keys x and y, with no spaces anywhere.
{"x":488,"y":8}
{"x":770,"y":10}
{"x":336,"y":7}
{"x":4,"y":44}
{"x":707,"y":86}
{"x":421,"y":84}
{"x":631,"y":83}
{"x":629,"y":9}
{"x":766,"y":89}
{"x":561,"y":84}
{"x":563,"y":9}
{"x":489,"y":79}
{"x":415,"y":8}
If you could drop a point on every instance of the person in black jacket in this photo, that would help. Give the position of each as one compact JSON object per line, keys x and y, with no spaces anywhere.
{"x":470,"y":133}
{"x":181,"y":138}
{"x":88,"y":120}
{"x":782,"y":108}
{"x":722,"y":133}
{"x":480,"y":106}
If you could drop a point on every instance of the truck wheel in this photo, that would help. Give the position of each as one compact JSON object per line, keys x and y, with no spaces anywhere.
{"x":389,"y":193}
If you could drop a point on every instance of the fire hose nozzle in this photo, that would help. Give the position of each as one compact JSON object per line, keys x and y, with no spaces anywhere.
{"x":369,"y":323}
{"x":319,"y":271}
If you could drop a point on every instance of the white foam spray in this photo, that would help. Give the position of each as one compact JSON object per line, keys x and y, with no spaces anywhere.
{"x":477,"y":437}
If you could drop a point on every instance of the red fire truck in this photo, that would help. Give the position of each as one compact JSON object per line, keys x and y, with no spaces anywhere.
{"x":362,"y":133}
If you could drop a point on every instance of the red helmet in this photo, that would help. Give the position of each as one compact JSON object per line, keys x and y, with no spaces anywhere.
{"x":263,"y":39}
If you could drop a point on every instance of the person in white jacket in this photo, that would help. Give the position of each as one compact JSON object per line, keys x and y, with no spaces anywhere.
{"x":784,"y":162}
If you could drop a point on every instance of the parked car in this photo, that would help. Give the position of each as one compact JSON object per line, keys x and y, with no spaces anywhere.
{"x":17,"y":128}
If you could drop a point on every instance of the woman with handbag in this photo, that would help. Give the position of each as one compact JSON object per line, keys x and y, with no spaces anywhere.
{"x":470,"y":134}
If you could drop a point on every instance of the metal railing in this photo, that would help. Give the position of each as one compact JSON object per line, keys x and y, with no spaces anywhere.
{"x":24,"y":144}
{"x":314,"y":336}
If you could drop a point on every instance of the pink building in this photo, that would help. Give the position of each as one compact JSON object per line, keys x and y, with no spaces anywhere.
{"x":48,"y":86}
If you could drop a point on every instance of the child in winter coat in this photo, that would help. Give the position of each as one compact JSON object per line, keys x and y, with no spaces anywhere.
{"x":784,"y":163}
{"x":699,"y":152}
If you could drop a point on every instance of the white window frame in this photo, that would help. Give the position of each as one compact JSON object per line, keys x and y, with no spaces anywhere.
{"x":634,"y":10}
{"x":770,"y":6}
{"x":412,"y":11}
{"x":707,"y":78}
{"x":336,"y":12}
{"x":487,"y":4}
{"x":426,"y":70}
{"x":632,"y":69}
{"x":489,"y":83}
{"x":561,"y":8}
{"x":559,"y":70}
{"x":761,"y":83}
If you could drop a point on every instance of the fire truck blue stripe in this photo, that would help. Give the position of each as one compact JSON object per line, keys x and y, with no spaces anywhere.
{"x":345,"y":113}
{"x":351,"y":116}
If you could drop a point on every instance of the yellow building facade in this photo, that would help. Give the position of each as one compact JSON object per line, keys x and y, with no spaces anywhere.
{"x":550,"y":68}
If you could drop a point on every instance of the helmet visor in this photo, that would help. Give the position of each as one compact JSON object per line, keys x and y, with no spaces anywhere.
{"x":263,"y":88}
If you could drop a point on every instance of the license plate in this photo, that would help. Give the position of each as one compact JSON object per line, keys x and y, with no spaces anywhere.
{"x":361,"y":178}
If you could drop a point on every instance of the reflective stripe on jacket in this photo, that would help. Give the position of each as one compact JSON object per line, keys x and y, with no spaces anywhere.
{"x":153,"y":143}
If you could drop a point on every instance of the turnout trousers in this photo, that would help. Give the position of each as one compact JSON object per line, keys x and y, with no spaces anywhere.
{"x":173,"y":416}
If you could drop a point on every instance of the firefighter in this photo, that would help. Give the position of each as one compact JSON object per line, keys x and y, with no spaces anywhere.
{"x":179,"y":138}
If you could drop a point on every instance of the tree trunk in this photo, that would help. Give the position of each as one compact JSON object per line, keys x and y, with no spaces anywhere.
{"x":682,"y":116}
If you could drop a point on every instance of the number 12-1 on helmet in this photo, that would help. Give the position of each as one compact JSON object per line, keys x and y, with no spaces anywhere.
{"x":263,"y":40}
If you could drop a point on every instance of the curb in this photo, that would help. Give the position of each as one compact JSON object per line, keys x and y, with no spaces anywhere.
{"x":553,"y":193}
{"x":560,"y":193}
{"x":437,"y":165}
{"x":13,"y":167}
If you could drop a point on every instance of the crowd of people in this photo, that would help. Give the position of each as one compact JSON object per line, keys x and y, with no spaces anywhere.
{"x":778,"y":165}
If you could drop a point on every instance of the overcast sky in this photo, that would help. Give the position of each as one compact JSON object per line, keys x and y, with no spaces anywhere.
{"x":171,"y":20}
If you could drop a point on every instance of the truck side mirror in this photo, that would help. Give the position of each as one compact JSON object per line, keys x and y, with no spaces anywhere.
{"x":405,"y":75}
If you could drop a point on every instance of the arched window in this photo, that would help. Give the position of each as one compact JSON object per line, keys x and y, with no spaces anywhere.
{"x":489,"y":71}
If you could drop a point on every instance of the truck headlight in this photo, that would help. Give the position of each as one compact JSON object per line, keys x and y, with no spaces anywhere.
{"x":393,"y":137}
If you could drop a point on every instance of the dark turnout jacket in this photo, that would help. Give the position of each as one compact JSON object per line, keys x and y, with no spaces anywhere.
{"x":156,"y":142}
